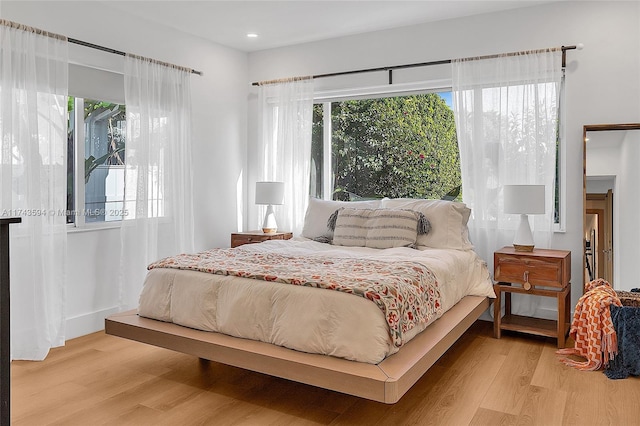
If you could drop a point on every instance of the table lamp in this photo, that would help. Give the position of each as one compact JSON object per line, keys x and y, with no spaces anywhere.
{"x":524,"y":200}
{"x":269,"y":194}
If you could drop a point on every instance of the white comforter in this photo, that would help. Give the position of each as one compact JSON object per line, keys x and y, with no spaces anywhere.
{"x":304,"y":318}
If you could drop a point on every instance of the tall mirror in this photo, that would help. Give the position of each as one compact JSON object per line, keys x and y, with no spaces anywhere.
{"x":612,"y":204}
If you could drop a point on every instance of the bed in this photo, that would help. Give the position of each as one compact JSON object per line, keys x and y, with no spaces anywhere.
{"x":262,"y":306}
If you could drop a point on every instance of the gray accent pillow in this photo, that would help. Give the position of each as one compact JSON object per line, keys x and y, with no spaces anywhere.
{"x":378,"y":228}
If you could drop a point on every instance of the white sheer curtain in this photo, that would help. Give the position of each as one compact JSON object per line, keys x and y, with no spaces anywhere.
{"x":158,"y":177}
{"x":285,"y":148}
{"x":506,"y":111}
{"x":33,"y":180}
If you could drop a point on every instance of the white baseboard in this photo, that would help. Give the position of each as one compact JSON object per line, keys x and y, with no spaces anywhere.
{"x":547,"y":313}
{"x":91,"y":322}
{"x":540,"y":312}
{"x":486,"y":315}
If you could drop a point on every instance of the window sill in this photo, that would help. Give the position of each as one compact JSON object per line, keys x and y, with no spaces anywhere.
{"x":558,"y":230}
{"x":103,"y":226}
{"x":71,"y":229}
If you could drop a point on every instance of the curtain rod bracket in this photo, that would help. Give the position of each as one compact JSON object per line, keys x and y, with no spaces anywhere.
{"x":564,"y":53}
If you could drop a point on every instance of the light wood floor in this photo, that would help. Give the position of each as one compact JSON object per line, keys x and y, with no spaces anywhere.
{"x":517,"y":380}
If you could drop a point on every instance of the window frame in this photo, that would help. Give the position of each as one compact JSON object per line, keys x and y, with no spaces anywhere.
{"x":79,"y":186}
{"x":326,"y":97}
{"x":561,"y":161}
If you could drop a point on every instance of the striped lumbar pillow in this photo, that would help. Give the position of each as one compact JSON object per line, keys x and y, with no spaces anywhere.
{"x":377,"y":228}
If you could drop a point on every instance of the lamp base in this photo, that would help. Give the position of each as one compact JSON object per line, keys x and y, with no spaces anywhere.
{"x":524,"y":239}
{"x":269,"y":225}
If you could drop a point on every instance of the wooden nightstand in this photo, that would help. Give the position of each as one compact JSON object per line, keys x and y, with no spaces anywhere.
{"x":541,"y":273}
{"x":251,"y":237}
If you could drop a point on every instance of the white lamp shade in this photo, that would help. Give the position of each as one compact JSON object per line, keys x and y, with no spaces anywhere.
{"x":524,"y":199}
{"x":269,"y":193}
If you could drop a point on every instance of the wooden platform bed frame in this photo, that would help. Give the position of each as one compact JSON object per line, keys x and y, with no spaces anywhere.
{"x":385,"y":382}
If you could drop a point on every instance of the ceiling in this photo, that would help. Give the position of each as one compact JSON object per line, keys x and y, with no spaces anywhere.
{"x":282,"y":23}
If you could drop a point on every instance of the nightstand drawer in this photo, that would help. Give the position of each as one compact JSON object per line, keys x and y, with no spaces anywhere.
{"x":539,"y":272}
{"x":249,"y":239}
{"x":252,"y":237}
{"x":545,"y":268}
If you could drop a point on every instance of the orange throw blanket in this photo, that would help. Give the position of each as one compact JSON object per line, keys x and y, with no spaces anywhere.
{"x":592,"y":328}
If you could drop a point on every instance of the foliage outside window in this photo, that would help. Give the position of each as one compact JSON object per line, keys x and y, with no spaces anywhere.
{"x":404,"y":146}
{"x":95,"y":190}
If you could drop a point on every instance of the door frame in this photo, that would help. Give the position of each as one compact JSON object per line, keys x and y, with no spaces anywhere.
{"x":602,"y":205}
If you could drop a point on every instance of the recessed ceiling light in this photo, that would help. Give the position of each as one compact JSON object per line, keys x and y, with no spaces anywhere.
{"x":252,"y":35}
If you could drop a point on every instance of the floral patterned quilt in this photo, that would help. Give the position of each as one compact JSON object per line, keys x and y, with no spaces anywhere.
{"x":406,"y":292}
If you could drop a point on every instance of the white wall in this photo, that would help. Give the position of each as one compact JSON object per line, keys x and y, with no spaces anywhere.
{"x":219,"y":135}
{"x":602,"y":83}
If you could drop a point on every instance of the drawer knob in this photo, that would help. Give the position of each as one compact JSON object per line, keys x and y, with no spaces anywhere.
{"x":525,"y":278}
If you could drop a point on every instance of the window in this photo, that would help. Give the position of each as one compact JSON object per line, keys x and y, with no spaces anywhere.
{"x":519,"y":116}
{"x":96,"y":158}
{"x":398,"y":146}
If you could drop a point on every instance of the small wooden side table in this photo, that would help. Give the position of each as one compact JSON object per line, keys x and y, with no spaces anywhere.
{"x":252,"y":237}
{"x":541,"y":273}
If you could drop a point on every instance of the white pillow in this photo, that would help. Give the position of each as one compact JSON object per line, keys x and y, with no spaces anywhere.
{"x":376,"y":228}
{"x":448,"y":221}
{"x":319,"y":211}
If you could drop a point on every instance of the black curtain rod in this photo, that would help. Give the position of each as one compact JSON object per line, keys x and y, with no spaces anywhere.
{"x":23,"y":27}
{"x":420,"y":64}
{"x":118,"y":52}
